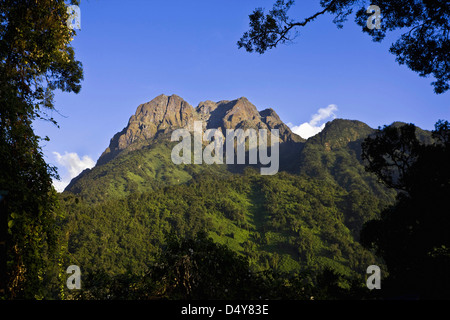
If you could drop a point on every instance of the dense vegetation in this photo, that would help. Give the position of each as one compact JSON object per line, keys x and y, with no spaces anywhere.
{"x":412,"y":235}
{"x":291,"y":235}
{"x":289,"y":228}
{"x":281,"y":222}
{"x":36,"y":59}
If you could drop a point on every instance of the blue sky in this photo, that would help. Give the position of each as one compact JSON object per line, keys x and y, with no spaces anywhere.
{"x":134,"y":50}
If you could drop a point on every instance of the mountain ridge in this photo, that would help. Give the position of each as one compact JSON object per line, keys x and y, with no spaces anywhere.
{"x":139,"y":154}
{"x":166,"y":113}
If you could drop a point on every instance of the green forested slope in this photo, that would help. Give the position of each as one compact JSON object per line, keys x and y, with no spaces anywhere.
{"x":118,"y":215}
{"x":285,"y":222}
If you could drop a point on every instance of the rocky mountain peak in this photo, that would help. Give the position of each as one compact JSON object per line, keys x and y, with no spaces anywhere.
{"x":166,"y":113}
{"x":160,"y":114}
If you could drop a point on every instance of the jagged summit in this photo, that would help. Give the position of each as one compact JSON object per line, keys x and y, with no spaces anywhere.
{"x":166,"y":113}
{"x":138,"y":158}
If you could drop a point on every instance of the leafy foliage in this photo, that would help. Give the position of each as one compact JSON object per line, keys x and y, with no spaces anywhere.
{"x":423,"y":47}
{"x":286,"y":224}
{"x":36,"y":58}
{"x":199,"y":268}
{"x":412,"y":235}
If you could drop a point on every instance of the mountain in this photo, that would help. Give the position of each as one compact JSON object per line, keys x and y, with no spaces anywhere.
{"x":166,"y":113}
{"x":138,"y":158}
{"x":305,"y":217}
{"x":144,"y":146}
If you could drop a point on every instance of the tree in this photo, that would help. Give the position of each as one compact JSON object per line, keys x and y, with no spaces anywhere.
{"x":423,"y":47}
{"x":412,"y":235}
{"x":390,"y":153}
{"x":36,"y":59}
{"x":198,"y":268}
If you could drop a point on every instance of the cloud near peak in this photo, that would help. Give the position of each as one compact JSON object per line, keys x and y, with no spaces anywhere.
{"x":317,"y":122}
{"x":69,"y":166}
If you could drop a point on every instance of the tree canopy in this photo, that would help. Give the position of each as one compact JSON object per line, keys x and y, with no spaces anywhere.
{"x":36,"y":58}
{"x":423,"y":46}
{"x":412,"y":235}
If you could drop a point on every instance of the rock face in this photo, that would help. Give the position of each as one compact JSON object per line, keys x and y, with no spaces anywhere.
{"x":166,"y":113}
{"x":157,"y":115}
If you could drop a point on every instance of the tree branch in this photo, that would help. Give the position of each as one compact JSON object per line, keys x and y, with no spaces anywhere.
{"x":291,"y":25}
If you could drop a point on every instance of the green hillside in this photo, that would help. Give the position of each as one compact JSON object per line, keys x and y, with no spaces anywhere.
{"x":306,"y":219}
{"x":145,"y":169}
{"x":285,"y":223}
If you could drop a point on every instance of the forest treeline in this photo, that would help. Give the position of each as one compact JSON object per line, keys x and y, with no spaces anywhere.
{"x":286,"y":225}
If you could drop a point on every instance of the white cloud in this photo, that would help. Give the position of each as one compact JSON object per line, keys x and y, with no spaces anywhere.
{"x":69,"y":166}
{"x":313,"y":127}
